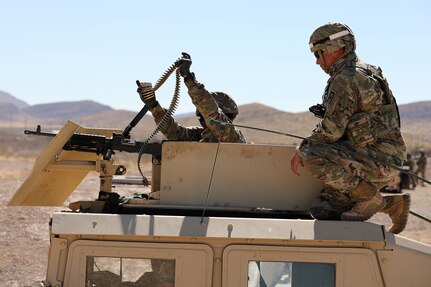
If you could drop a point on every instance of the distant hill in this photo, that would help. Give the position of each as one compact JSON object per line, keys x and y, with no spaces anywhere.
{"x":66,"y":110}
{"x":7,"y":110}
{"x":6,"y":98}
{"x":416,"y":111}
{"x":415,"y":118}
{"x":11,"y":115}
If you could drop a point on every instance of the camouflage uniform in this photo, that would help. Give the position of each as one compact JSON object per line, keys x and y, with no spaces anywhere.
{"x":361,"y":123}
{"x":408,"y":181}
{"x":206,"y":106}
{"x":421,"y":165}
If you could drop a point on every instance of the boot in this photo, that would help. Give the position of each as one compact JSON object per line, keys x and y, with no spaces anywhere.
{"x":368,"y":202}
{"x":397,"y":207}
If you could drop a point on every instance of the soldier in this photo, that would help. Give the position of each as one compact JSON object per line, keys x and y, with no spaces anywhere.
{"x":421,"y":165}
{"x":216,"y":105}
{"x":359,"y":132}
{"x":411,"y":165}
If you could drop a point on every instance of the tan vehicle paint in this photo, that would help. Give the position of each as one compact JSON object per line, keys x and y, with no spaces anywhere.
{"x":217,"y":215}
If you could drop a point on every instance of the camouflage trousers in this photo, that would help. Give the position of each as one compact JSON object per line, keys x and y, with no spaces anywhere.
{"x":342,"y":166}
{"x":420,"y":171}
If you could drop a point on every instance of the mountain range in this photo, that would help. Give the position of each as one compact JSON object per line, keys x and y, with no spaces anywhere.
{"x":16,"y":113}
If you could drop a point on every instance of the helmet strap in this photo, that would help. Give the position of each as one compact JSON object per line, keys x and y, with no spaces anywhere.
{"x":325,"y":65}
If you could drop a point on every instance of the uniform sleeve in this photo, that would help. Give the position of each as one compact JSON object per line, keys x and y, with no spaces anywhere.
{"x":209,"y":109}
{"x":173,"y":130}
{"x":340,"y":102}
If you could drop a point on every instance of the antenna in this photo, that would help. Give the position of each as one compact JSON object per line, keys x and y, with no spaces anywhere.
{"x":209,"y":185}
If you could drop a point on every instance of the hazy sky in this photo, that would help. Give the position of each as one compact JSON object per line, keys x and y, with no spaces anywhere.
{"x":257,"y":51}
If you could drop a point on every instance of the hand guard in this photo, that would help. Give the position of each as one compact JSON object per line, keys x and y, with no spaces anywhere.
{"x":318,"y":111}
{"x":146,"y":92}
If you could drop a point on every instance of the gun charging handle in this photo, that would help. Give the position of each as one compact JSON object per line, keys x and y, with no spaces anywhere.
{"x":136,"y":119}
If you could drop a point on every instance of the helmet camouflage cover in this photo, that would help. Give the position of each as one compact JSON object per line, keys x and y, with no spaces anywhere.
{"x":226,"y":103}
{"x":332,"y":37}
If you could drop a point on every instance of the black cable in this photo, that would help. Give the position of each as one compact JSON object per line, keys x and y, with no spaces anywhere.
{"x":217,"y":122}
{"x":420,"y":216}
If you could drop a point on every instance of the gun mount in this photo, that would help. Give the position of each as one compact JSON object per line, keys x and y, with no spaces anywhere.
{"x":71,"y":155}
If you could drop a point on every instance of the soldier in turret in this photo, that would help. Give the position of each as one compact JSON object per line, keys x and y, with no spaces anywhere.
{"x":357,"y":143}
{"x":209,"y":105}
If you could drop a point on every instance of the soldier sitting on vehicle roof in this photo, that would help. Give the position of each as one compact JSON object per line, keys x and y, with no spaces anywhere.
{"x":355,"y":147}
{"x":209,"y":105}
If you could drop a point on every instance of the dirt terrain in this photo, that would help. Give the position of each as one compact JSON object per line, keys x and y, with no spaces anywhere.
{"x":24,"y":230}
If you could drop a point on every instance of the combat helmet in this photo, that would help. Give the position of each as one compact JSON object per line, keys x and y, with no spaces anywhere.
{"x":332,"y":37}
{"x":226,"y":104}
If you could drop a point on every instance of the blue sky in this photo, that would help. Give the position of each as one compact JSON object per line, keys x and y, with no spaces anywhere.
{"x":257,"y":51}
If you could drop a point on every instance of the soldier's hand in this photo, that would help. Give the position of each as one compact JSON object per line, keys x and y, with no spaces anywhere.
{"x":184,"y":64}
{"x":294,"y":162}
{"x":318,"y":111}
{"x":146,"y":92}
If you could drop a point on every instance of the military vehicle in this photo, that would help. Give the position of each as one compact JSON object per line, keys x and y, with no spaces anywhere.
{"x":216,"y":214}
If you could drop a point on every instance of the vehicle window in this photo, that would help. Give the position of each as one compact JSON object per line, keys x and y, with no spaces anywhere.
{"x":129,"y":272}
{"x":290,"y":274}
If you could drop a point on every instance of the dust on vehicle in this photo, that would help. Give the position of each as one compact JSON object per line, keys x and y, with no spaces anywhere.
{"x":216,"y":214}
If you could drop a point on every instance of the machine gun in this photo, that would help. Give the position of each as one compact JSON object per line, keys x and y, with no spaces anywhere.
{"x":74,"y":152}
{"x":81,"y":150}
{"x":102,"y":145}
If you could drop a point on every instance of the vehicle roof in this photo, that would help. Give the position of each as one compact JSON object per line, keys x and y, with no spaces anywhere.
{"x":217,"y":227}
{"x":262,"y":230}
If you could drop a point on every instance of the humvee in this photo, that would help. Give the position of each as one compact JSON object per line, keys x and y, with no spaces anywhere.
{"x":216,"y":214}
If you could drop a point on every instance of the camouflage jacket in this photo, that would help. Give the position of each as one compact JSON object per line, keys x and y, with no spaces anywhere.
{"x":207,"y":107}
{"x":422,"y":162}
{"x":357,"y":109}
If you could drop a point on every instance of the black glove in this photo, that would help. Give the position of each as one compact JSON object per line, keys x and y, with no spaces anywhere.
{"x":146,"y":92}
{"x":318,"y":111}
{"x":184,"y":64}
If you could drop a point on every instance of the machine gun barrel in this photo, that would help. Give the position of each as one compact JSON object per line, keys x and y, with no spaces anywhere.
{"x":103,"y":145}
{"x":38,"y":132}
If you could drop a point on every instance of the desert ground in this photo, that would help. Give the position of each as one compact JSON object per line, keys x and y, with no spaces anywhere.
{"x":24,"y":237}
